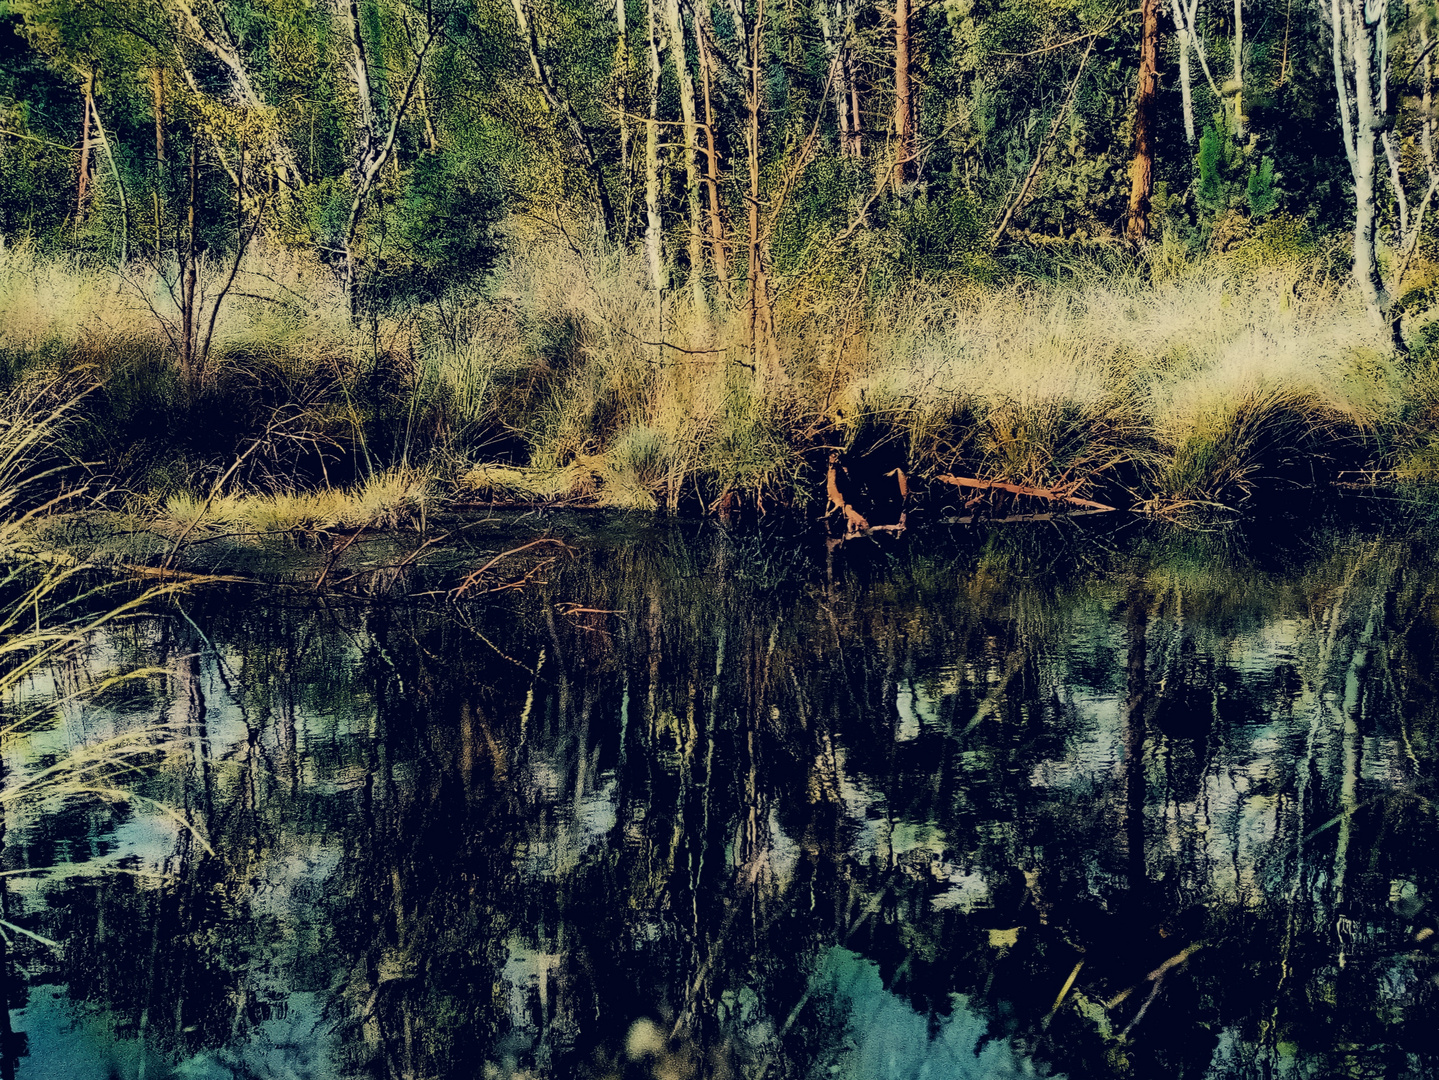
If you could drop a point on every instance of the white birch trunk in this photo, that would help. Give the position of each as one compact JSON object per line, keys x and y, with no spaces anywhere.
{"x":1366,"y":128}
{"x":1240,"y":120}
{"x":833,"y":44}
{"x":654,"y":253}
{"x":675,"y":26}
{"x":1354,"y":48}
{"x":1185,"y":88}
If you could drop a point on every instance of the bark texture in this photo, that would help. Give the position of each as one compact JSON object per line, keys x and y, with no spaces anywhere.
{"x":1355,"y":46}
{"x":903,"y":96}
{"x":1141,"y":172}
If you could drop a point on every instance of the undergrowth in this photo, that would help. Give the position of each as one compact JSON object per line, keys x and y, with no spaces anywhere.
{"x":1163,"y":383}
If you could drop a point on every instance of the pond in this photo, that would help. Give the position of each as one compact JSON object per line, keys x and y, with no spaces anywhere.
{"x":1092,"y":798}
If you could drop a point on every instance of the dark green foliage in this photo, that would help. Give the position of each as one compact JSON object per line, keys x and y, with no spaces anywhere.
{"x":442,"y":226}
{"x":1214,"y":171}
{"x":1260,"y":191}
{"x":940,"y":233}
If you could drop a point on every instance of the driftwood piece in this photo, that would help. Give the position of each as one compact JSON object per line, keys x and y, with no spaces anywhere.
{"x":854,"y":521}
{"x":1021,"y":489}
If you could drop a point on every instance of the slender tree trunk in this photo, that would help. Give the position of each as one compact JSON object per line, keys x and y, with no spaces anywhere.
{"x":834,"y":44}
{"x":1354,"y":40}
{"x":157,"y":89}
{"x":718,"y":233}
{"x":1236,"y":84}
{"x":903,"y":96}
{"x":1141,"y":172}
{"x":1410,"y":226}
{"x":621,"y":77}
{"x":675,"y":26}
{"x":361,"y":70}
{"x":432,"y":142}
{"x":853,"y":76}
{"x":1426,"y":136}
{"x":654,"y":251}
{"x":119,"y":185}
{"x":1181,"y":33}
{"x":360,"y":73}
{"x":1396,"y":184}
{"x":188,"y":373}
{"x":84,"y":184}
{"x":752,"y":274}
{"x":375,"y":150}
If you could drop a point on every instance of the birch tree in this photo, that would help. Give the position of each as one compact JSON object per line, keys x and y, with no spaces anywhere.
{"x":375,"y":141}
{"x":1360,"y":83}
{"x":654,"y":253}
{"x":674,"y":26}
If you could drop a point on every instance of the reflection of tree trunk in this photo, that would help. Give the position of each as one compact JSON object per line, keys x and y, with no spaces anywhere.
{"x":7,"y":1034}
{"x":1349,"y":783}
{"x":1136,"y":625}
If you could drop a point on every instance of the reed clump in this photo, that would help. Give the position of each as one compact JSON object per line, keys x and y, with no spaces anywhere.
{"x":389,"y":500}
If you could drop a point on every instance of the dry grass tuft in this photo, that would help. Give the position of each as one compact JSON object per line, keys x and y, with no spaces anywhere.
{"x":388,"y":500}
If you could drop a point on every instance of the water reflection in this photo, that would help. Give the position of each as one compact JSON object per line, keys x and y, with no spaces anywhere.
{"x":1090,"y":803}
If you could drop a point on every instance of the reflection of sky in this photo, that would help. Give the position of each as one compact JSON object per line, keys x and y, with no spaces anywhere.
{"x":878,"y":1036}
{"x":70,"y":1042}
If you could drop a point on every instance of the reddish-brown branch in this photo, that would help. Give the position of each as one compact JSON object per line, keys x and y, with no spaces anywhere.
{"x":1020,"y":489}
{"x":474,"y":578}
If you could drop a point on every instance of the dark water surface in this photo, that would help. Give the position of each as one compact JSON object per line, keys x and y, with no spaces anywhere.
{"x":1088,"y":799}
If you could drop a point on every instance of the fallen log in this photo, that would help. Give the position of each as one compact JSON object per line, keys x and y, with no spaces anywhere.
{"x":1020,"y":489}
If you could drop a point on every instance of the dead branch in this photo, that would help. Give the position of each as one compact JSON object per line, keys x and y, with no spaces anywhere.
{"x":474,"y":578}
{"x":854,"y":520}
{"x":1020,"y":489}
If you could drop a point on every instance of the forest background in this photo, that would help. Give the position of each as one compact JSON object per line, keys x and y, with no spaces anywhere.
{"x":317,"y":265}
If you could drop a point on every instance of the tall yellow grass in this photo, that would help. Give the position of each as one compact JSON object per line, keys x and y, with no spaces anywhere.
{"x":1191,"y":380}
{"x":1186,"y":381}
